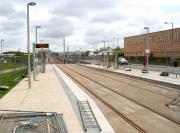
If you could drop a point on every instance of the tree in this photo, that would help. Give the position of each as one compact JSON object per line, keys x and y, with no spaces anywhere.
{"x":120,"y":51}
{"x":18,"y":53}
{"x":87,"y":53}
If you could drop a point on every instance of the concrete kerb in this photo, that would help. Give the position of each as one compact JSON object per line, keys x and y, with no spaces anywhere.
{"x":176,"y":86}
{"x":73,"y":99}
{"x":82,"y":96}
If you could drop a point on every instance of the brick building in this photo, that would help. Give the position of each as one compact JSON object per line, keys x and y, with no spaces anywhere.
{"x":160,"y":44}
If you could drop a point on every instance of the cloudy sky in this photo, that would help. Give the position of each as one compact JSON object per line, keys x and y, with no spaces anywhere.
{"x":83,"y":22}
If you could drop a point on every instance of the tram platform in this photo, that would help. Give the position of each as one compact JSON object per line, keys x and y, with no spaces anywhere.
{"x":45,"y":95}
{"x":152,"y":76}
{"x":53,"y":92}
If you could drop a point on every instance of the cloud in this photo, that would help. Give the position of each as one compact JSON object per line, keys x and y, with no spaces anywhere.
{"x":80,"y":8}
{"x":17,"y":15}
{"x":87,"y":21}
{"x":58,"y":27}
{"x":107,"y":16}
{"x":92,"y":4}
{"x":12,"y":26}
{"x":70,"y":11}
{"x":6,"y":9}
{"x":97,"y":35}
{"x":12,"y":21}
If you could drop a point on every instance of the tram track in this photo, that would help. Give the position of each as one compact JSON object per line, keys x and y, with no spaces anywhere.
{"x":147,"y":82}
{"x":137,"y":127}
{"x":132,"y":78}
{"x":129,"y":98}
{"x":131,"y":84}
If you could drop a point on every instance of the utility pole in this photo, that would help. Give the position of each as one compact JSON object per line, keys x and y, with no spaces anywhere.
{"x":113,"y":43}
{"x":64,"y":46}
{"x":147,"y":50}
{"x":67,"y":52}
{"x":172,"y":46}
{"x":172,"y":37}
{"x":96,"y":47}
{"x":117,"y":42}
{"x":104,"y":43}
{"x":67,"y":49}
{"x":94,"y":44}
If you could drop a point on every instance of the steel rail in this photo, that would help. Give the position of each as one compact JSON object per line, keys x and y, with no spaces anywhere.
{"x":140,"y":129}
{"x":131,"y":99}
{"x":132,"y":78}
{"x":130,"y":84}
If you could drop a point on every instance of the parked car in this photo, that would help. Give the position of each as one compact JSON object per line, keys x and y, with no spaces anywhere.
{"x":123,"y":61}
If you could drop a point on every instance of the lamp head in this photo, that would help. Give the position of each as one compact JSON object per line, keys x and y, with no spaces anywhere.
{"x":32,"y":3}
{"x":2,"y":40}
{"x":146,"y":28}
{"x":38,"y":26}
{"x":165,"y":22}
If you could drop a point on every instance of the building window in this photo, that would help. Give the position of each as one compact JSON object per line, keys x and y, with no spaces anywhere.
{"x":166,"y":37}
{"x":144,"y":41}
{"x":150,"y":40}
{"x":170,"y":36}
{"x":179,"y":36}
{"x":161,"y":38}
{"x":129,"y":42}
{"x":176,"y":36}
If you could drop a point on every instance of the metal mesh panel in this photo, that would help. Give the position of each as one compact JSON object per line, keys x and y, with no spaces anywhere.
{"x":32,"y":122}
{"x":87,"y":116}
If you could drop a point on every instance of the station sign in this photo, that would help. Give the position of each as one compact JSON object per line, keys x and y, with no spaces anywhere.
{"x":42,"y":45}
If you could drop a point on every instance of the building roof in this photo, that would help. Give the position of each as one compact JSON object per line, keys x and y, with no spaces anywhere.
{"x":152,"y":32}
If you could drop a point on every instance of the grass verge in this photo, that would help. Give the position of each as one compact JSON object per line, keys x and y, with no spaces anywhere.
{"x":10,"y":65}
{"x":9,"y":80}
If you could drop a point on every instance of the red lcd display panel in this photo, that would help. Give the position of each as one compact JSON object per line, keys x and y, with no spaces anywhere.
{"x":42,"y":45}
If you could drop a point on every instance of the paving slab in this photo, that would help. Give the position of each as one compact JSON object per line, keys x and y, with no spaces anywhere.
{"x":82,"y":96}
{"x":46,"y":95}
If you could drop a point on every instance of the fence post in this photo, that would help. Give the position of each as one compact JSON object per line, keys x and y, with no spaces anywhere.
{"x":130,"y":62}
{"x":1,"y":71}
{"x":14,"y":64}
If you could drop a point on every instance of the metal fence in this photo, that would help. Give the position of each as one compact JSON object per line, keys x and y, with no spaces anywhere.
{"x":12,"y":67}
{"x":163,"y":61}
{"x":165,"y":64}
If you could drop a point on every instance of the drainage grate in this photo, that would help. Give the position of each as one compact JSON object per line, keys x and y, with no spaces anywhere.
{"x":32,"y":122}
{"x":87,"y":115}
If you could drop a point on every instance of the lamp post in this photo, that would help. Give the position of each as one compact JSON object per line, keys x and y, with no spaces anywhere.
{"x":113,"y":42}
{"x":1,"y":62}
{"x":34,"y":62}
{"x":147,"y":51}
{"x":117,"y":42}
{"x":28,"y":44}
{"x":171,"y":48}
{"x":104,"y":43}
{"x":94,"y":47}
{"x":64,"y":46}
{"x":37,"y":27}
{"x":2,"y":40}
